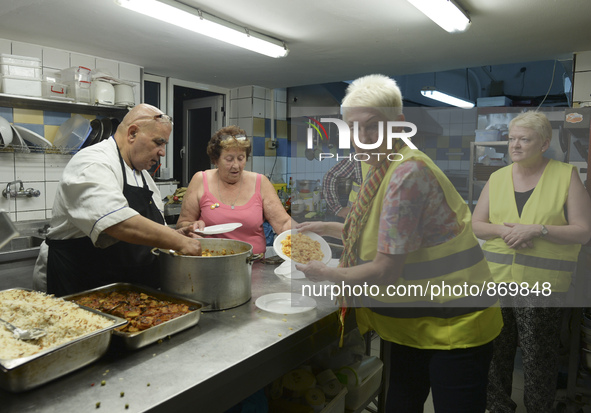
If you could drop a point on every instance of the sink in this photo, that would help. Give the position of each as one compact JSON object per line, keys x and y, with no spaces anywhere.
{"x":22,"y":243}
{"x":26,"y":245}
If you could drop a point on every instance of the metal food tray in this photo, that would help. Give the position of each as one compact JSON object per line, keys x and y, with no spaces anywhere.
{"x":133,"y":341}
{"x":26,"y":373}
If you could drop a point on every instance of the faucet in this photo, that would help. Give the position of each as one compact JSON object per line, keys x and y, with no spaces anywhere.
{"x":10,"y":192}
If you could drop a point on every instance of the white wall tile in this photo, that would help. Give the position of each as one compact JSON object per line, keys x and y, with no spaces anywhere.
{"x":33,"y":203}
{"x":6,"y":168}
{"x":55,"y":58}
{"x":30,"y":215}
{"x":244,"y":108}
{"x":234,"y":93}
{"x":258,"y":92}
{"x":83,"y":60}
{"x":258,"y":164}
{"x":110,"y":66}
{"x":281,"y":111}
{"x":50,"y":191}
{"x":233,"y":110}
{"x":268,"y":107}
{"x":130,"y":72}
{"x":281,"y":95}
{"x":29,"y":167}
{"x":454,"y":165}
{"x":6,"y":204}
{"x":245,"y":92}
{"x":258,"y":108}
{"x":5,"y":46}
{"x":27,"y":49}
{"x":54,"y":166}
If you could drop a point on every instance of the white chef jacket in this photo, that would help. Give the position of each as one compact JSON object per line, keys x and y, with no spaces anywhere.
{"x":89,"y":199}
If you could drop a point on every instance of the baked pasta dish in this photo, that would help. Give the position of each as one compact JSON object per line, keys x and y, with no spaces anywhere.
{"x":301,"y":248}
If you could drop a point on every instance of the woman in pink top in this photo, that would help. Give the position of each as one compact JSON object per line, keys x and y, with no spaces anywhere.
{"x":230,"y":194}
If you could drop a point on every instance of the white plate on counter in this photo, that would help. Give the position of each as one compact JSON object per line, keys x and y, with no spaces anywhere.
{"x":286,"y":271}
{"x":219,"y":229}
{"x":324,"y":247}
{"x":285,"y":303}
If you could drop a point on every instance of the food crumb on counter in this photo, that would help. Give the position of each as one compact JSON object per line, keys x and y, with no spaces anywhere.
{"x":122,"y":394}
{"x":103,"y":383}
{"x":127,"y":405}
{"x":98,"y":404}
{"x":148,"y":384}
{"x":291,"y":328}
{"x":284,"y":320}
{"x":279,"y":334}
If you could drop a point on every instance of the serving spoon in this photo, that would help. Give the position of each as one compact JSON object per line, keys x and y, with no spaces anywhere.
{"x":21,"y":334}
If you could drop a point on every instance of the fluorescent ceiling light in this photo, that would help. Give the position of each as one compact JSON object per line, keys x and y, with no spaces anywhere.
{"x":446,"y":13}
{"x":432,"y":93}
{"x":197,"y":21}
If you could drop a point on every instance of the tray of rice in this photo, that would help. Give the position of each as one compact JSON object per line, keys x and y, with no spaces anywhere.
{"x":151,"y":314}
{"x":75,"y":337}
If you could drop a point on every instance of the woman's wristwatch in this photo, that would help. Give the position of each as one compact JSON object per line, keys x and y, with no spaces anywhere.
{"x":544,"y":231}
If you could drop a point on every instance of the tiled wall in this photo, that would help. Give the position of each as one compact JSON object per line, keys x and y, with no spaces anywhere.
{"x":38,"y":170}
{"x":262,"y":113}
{"x":451,"y":150}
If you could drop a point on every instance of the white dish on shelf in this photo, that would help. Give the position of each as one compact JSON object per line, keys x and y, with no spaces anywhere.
{"x":18,"y":142}
{"x":324,"y":247}
{"x":219,"y":229}
{"x":285,"y":303}
{"x":32,"y":137}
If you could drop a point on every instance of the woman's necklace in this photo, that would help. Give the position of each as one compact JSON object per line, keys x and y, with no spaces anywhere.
{"x":220,"y":194}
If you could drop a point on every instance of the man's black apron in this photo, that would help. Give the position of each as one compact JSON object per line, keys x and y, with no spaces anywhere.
{"x":75,"y":265}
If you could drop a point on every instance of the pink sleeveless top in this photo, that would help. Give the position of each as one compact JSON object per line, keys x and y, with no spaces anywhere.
{"x":250,"y":215}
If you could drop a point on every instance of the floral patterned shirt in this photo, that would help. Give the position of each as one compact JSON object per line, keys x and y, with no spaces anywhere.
{"x":415,"y":213}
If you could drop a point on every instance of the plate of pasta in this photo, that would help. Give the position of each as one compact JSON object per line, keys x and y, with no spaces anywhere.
{"x":302,"y":247}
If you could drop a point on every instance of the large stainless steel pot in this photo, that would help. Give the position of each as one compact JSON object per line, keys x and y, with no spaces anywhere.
{"x":220,"y":281}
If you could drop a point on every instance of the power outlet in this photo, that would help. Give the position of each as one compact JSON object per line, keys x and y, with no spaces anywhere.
{"x":271,"y":144}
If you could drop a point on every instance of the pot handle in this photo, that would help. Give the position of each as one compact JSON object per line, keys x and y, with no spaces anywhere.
{"x":254,"y":257}
{"x":155,"y":251}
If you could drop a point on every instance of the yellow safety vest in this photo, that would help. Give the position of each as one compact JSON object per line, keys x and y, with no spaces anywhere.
{"x":546,"y":261}
{"x":445,"y":322}
{"x":355,"y":187}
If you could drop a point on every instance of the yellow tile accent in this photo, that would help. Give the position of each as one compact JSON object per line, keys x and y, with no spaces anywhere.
{"x":455,"y":150}
{"x":50,"y":131}
{"x":89,"y":117}
{"x":258,"y":127}
{"x":281,"y":129}
{"x":34,"y":117}
{"x":466,"y":141}
{"x":455,"y":158}
{"x":431,"y":152}
{"x":443,"y":142}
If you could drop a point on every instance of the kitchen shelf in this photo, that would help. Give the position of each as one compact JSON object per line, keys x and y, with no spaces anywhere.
{"x":25,"y":102}
{"x":485,"y":170}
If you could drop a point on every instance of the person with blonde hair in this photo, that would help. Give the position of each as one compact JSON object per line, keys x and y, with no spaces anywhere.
{"x":534,"y":215}
{"x":408,"y":229}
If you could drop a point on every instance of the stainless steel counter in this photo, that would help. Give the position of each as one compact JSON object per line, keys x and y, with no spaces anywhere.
{"x":208,"y":368}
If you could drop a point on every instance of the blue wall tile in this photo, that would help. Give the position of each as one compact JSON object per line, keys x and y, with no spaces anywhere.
{"x":55,"y":118}
{"x":258,"y":146}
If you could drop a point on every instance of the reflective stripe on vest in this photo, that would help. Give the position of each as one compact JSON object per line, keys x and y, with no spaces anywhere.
{"x":530,"y":261}
{"x":445,"y":265}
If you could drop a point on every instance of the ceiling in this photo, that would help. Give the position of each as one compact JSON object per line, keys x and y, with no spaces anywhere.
{"x":329,"y":40}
